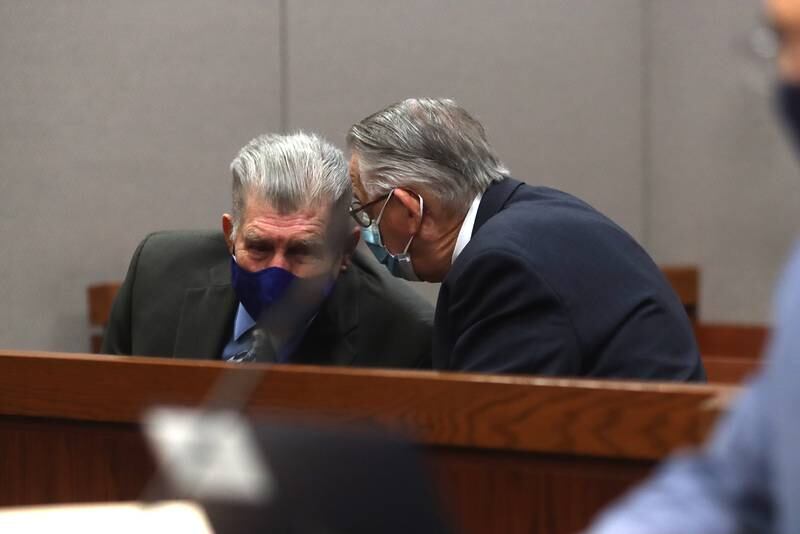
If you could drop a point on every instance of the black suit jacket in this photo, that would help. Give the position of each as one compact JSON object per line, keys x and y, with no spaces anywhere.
{"x":177,"y":300}
{"x":547,"y":285}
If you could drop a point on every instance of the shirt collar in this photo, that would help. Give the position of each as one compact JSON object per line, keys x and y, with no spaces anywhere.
{"x":465,"y":234}
{"x":242,"y":323}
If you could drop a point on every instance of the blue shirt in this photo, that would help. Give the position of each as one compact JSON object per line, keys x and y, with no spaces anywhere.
{"x":747,"y":478}
{"x":239,"y":347}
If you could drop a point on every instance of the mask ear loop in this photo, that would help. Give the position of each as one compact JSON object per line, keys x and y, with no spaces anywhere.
{"x":377,"y":220}
{"x":383,"y":208}
{"x":421,"y":208}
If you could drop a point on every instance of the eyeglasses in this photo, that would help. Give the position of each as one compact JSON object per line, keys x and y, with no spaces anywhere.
{"x":358,"y":211}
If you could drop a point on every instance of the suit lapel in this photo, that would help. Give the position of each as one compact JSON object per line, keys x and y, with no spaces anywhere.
{"x":206,"y":316}
{"x":331,"y":337}
{"x":494,"y":199}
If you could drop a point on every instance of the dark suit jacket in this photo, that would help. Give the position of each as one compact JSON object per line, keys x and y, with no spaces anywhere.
{"x":177,"y":300}
{"x":548,"y":285}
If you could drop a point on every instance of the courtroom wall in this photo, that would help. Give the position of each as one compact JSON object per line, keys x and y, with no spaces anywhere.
{"x":117,"y":118}
{"x":556,"y":84}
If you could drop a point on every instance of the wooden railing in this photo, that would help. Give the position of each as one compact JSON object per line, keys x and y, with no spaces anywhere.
{"x":509,"y":454}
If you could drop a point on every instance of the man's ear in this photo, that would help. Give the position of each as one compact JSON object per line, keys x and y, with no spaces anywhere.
{"x":350,"y":244}
{"x":413,"y":208}
{"x":227,"y":230}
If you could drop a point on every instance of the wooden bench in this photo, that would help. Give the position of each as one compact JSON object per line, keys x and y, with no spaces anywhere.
{"x":727,"y":370}
{"x":509,"y":454}
{"x":685,"y":281}
{"x":99,"y":298}
{"x":748,"y":341}
{"x":730,"y":352}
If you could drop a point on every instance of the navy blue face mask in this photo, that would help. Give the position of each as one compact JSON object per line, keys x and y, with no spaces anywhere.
{"x":789,"y":102}
{"x":259,"y":290}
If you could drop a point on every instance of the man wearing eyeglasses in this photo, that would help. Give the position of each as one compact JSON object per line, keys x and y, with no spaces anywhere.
{"x":533,"y":280}
{"x":283,"y":281}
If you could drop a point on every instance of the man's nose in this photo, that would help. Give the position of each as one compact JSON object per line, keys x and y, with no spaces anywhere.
{"x":279,"y":259}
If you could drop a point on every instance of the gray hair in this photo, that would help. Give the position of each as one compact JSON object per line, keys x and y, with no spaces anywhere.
{"x":426,"y":143}
{"x":290,"y":172}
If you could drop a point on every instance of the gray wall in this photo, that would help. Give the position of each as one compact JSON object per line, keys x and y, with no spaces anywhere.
{"x":557,"y":84}
{"x":118,"y":118}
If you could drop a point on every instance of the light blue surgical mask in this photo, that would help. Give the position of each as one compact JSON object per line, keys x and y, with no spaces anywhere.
{"x":399,"y":265}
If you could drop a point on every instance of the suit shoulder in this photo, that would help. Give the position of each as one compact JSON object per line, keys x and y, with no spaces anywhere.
{"x":553,"y":234}
{"x":378,"y":283}
{"x":549,"y":221}
{"x":183,"y":257}
{"x":184,"y":240}
{"x":186,"y":245}
{"x":544,"y":206}
{"x":491,"y":265}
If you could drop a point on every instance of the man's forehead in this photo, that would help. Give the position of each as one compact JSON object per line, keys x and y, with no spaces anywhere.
{"x":261,"y":215}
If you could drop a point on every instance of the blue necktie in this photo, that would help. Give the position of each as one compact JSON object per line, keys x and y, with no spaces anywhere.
{"x":248,"y":352}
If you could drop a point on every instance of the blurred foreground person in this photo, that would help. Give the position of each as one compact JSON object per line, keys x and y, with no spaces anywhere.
{"x":282,"y":282}
{"x":747,"y":479}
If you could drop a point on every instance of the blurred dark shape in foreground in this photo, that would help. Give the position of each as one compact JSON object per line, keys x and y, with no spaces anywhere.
{"x":278,"y":476}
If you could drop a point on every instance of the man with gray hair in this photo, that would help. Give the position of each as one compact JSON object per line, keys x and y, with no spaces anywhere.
{"x":282,"y":282}
{"x":533,"y":280}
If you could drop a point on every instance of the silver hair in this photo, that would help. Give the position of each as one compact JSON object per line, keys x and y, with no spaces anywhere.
{"x":291,"y":172}
{"x":425,"y":143}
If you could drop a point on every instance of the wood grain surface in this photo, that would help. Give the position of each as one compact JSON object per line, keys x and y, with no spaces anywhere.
{"x":732,"y":340}
{"x":600,"y":418}
{"x":509,"y":455}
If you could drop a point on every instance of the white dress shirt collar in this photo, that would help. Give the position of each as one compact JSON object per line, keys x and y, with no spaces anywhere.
{"x":465,"y":234}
